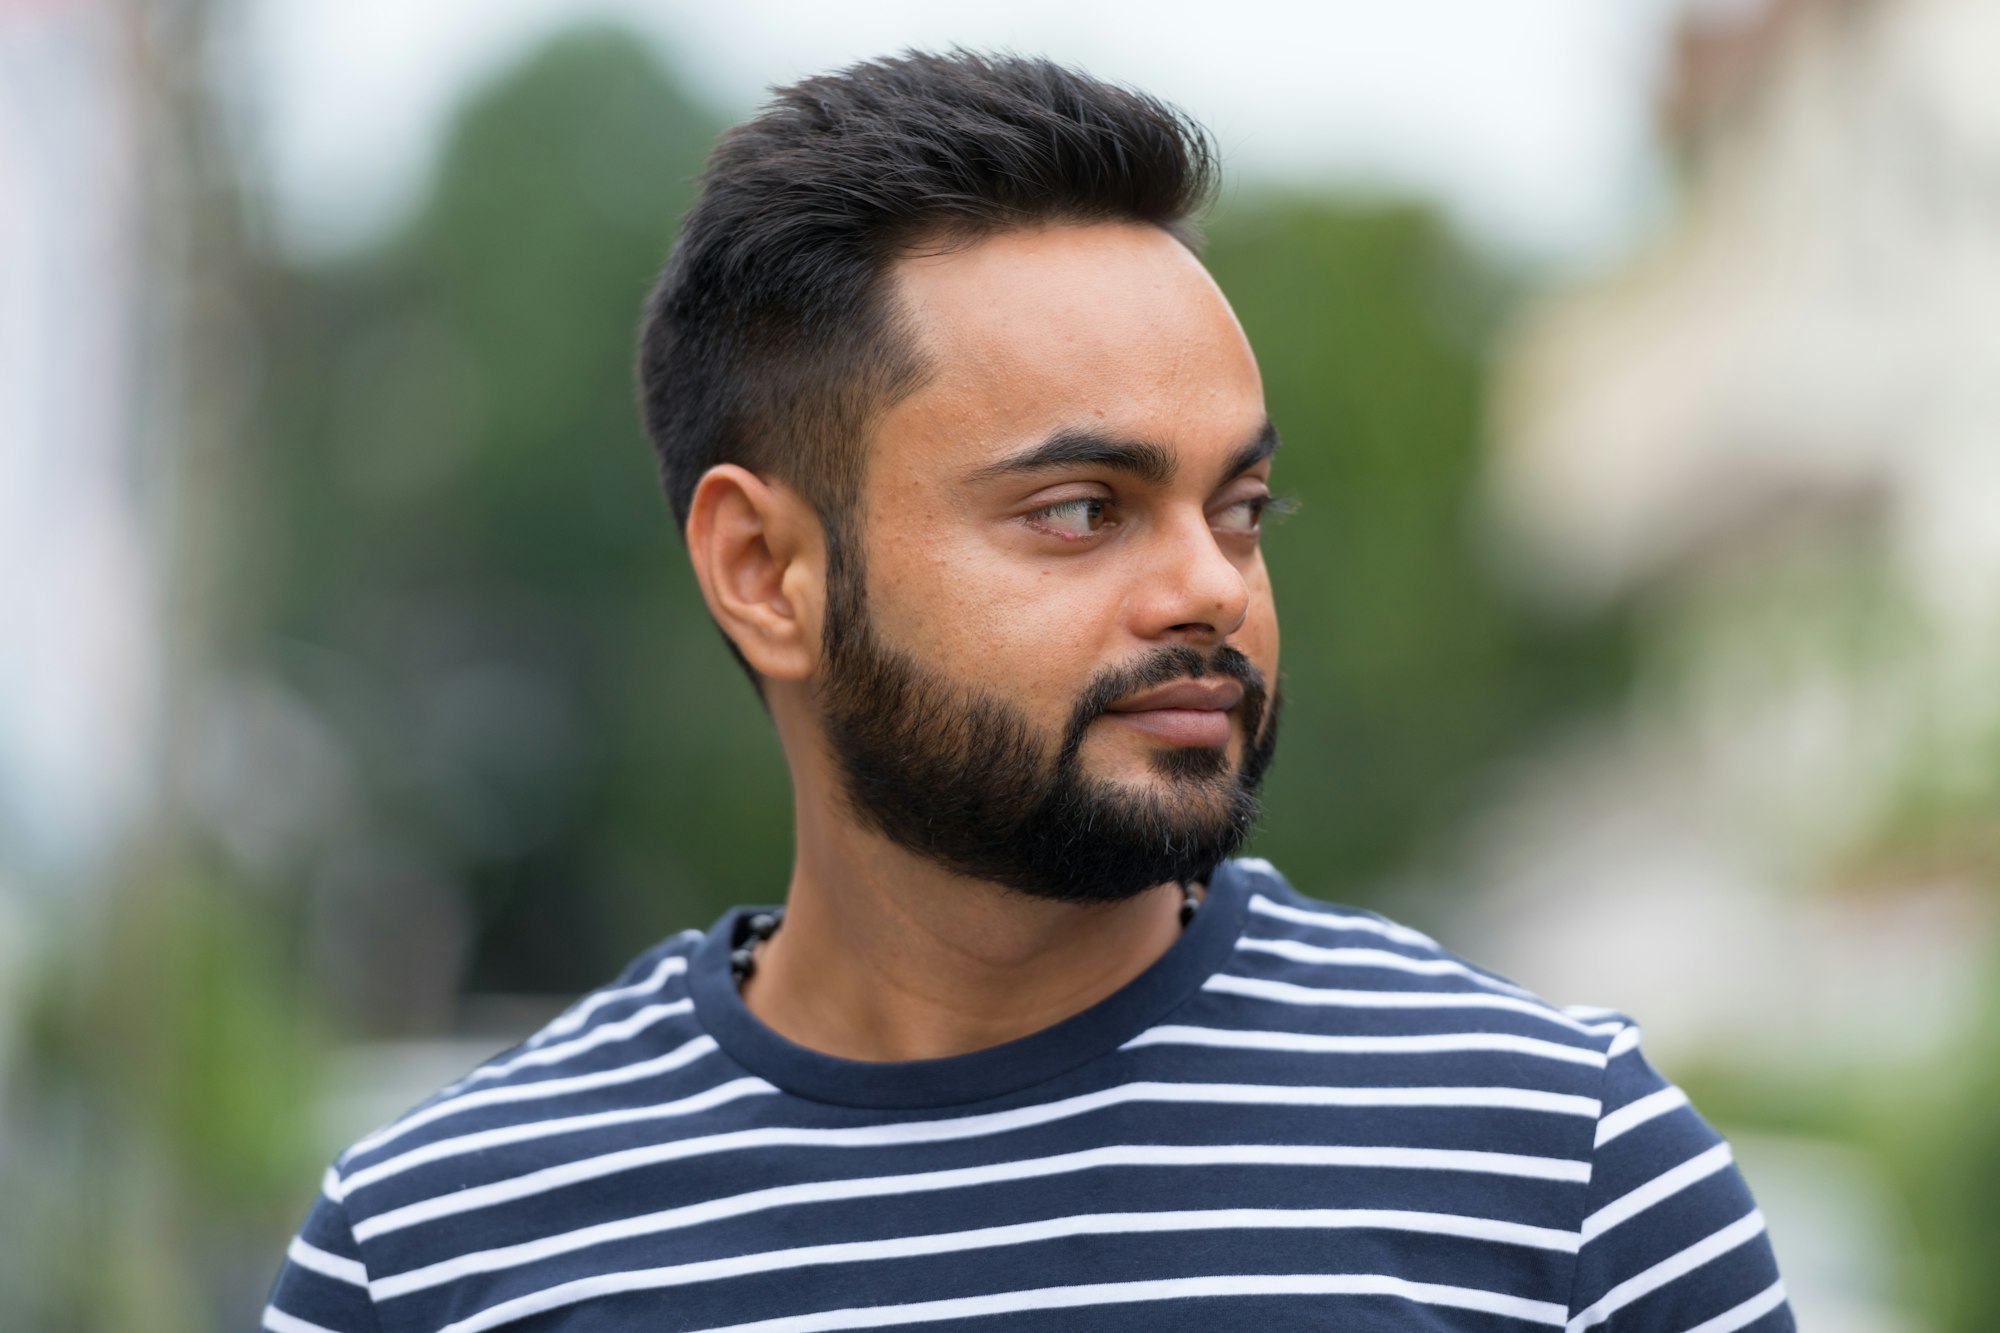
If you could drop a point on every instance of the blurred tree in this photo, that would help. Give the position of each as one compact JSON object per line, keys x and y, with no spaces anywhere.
{"x":472,"y":576}
{"x":1410,"y":672}
{"x":171,"y":1111}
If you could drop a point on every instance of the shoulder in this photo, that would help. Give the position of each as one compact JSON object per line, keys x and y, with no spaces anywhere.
{"x":1304,"y":955}
{"x":628,"y":1050}
{"x":1668,"y":1234}
{"x":627,"y":1053}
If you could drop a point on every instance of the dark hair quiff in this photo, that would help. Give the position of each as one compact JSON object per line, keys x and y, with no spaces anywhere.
{"x":769,"y":340}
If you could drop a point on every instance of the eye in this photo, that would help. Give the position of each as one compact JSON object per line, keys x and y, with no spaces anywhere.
{"x":1245,"y":516}
{"x":1073,"y":519}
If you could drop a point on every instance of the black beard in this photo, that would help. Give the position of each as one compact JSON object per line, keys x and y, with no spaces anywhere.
{"x":961,"y":778}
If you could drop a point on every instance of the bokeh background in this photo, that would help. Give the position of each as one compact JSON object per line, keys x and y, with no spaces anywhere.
{"x":1639,"y":366}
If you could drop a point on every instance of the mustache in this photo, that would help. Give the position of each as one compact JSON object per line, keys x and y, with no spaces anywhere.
{"x":1159,"y":667}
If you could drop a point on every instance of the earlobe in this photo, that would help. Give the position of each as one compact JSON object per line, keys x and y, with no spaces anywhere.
{"x":759,"y":558}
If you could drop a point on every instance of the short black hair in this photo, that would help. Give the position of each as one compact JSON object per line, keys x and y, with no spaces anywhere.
{"x":769,"y":341}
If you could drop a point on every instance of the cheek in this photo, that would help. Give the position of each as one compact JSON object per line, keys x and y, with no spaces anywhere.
{"x":1040,"y":639}
{"x":1015,"y":629}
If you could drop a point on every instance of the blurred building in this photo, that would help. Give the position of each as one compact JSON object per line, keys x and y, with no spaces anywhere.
{"x":1777,"y":435}
{"x":81,"y":653}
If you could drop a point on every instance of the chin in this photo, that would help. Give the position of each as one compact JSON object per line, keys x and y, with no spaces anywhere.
{"x":1173,"y":774}
{"x":1144,"y":766}
{"x":1192,"y":764}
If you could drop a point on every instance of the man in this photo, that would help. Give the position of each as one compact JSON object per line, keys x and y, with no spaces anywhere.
{"x":971,"y":458}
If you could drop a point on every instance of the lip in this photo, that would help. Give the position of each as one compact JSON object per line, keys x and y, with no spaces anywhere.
{"x":1195,"y":695}
{"x":1187,"y":712}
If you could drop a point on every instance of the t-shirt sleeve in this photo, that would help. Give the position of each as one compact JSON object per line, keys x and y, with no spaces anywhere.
{"x":323,"y":1287}
{"x":1672,"y":1241}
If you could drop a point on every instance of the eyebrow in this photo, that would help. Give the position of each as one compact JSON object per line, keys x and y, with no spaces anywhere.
{"x":1149,"y":462}
{"x":1261,"y":446}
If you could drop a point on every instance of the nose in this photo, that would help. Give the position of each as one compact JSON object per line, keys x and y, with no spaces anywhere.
{"x":1192,"y":590}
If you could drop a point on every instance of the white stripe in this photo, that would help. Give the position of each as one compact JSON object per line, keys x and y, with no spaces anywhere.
{"x":1590,"y":1011}
{"x":1001,"y":1121}
{"x":1023,"y":1233}
{"x":671,"y":966}
{"x":1349,"y":956}
{"x":629,"y":1026}
{"x":1765,"y":1301}
{"x":1626,"y":1040}
{"x":277,"y":1321}
{"x":686,"y":1053}
{"x":1286,"y":992}
{"x":1341,"y":921}
{"x":330,"y":1186}
{"x":1142,"y":1155}
{"x":1166,"y":1289}
{"x":1634,"y":1114}
{"x":1355,"y":955}
{"x":934,"y":1131}
{"x":1309,"y":1042}
{"x":1663,"y":1186}
{"x":704,"y":1100}
{"x":329,"y":1265}
{"x":1693,"y":1257}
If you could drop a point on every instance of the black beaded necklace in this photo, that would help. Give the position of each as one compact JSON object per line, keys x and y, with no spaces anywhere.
{"x":763,"y":925}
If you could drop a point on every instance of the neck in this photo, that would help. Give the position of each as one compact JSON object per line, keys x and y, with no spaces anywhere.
{"x":885,"y":956}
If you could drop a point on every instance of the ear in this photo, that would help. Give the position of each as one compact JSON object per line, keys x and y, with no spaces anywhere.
{"x":760,"y":558}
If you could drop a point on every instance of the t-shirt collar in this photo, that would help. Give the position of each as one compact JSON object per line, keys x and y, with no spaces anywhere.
{"x":980,"y":1075}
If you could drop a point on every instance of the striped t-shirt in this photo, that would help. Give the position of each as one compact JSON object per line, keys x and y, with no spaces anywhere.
{"x":1300,"y":1117}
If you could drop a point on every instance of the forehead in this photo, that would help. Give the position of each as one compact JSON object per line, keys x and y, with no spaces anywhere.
{"x":1111,"y":326}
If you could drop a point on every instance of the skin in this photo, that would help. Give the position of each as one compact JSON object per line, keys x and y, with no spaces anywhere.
{"x":1008,"y":581}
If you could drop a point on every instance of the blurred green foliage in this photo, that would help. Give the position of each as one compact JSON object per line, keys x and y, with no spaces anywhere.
{"x":1409,"y":671}
{"x":468,"y":569}
{"x":1930,"y":1130}
{"x":174,"y":1079}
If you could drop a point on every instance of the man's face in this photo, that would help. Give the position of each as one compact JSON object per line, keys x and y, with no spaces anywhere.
{"x":1059,"y":670}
